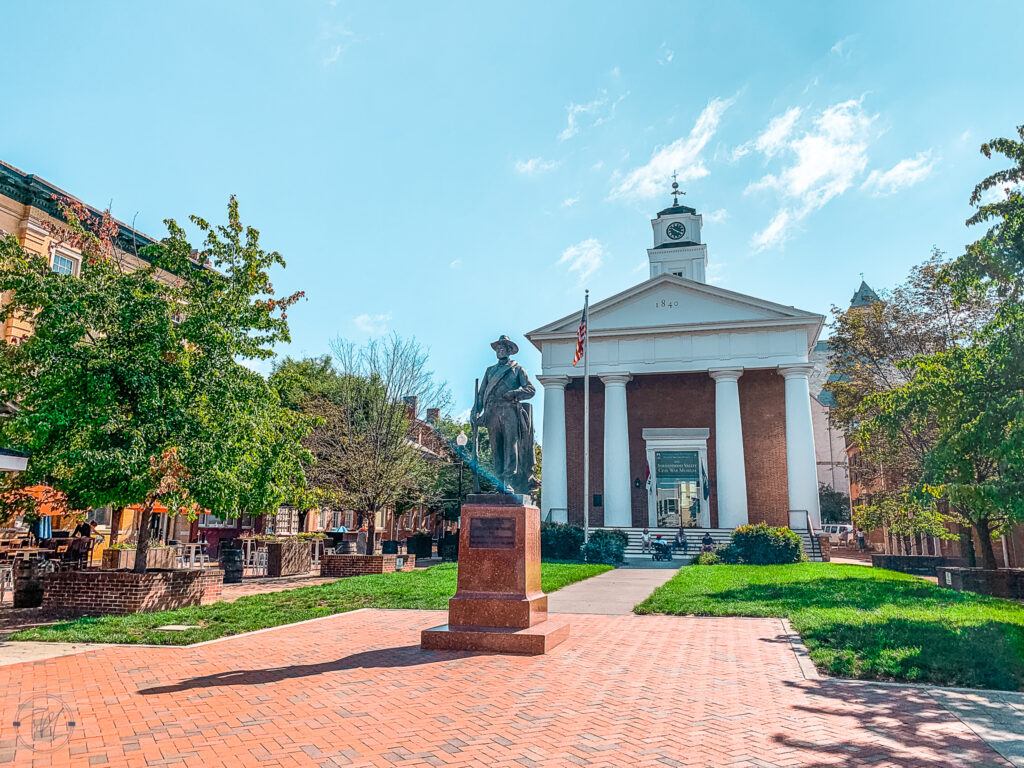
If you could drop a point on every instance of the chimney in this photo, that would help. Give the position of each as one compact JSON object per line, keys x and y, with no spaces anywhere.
{"x":433,"y":415}
{"x":410,"y":403}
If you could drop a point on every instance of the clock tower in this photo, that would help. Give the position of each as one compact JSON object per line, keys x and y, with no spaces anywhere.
{"x":678,"y":249}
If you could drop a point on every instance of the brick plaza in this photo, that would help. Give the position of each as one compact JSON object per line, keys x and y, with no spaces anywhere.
{"x":356,"y":690}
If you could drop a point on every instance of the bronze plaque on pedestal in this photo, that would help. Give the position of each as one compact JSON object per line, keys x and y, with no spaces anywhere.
{"x":492,"y":532}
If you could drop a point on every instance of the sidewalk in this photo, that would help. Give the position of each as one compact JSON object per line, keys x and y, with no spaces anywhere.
{"x":615,"y":592}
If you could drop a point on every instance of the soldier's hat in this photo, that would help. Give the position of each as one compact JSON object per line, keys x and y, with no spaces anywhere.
{"x":503,"y":339}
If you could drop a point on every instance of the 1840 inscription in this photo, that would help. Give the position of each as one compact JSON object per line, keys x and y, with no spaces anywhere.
{"x":492,"y":532}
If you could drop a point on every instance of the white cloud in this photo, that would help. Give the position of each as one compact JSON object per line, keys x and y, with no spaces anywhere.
{"x":584,"y":258}
{"x":999,"y":192}
{"x":597,"y":166}
{"x":842,"y":48}
{"x":906,"y":173}
{"x":684,"y":155}
{"x":716,"y":216}
{"x":333,"y":40}
{"x":569,"y":202}
{"x":775,"y":233}
{"x":714,"y":274}
{"x":578,"y":112}
{"x":535,"y":165}
{"x":642,"y":265}
{"x":597,"y":112}
{"x":264,"y":367}
{"x":665,"y":54}
{"x":455,"y":264}
{"x":372,"y":324}
{"x":774,"y":137}
{"x":821,"y":163}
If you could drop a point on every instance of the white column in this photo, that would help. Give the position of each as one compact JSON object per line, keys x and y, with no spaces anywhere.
{"x":731,"y":468}
{"x":801,"y":466}
{"x":554,"y":486}
{"x":618,"y":508}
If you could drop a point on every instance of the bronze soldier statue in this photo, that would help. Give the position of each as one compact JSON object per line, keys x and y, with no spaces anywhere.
{"x":509,"y":421}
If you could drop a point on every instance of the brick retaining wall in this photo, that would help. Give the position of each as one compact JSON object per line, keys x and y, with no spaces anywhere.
{"x":101,"y":593}
{"x":362,"y":565}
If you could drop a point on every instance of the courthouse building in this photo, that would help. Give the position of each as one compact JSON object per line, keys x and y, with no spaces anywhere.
{"x":700,"y":410}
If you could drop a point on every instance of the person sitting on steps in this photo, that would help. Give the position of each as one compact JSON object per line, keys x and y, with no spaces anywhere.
{"x":707,"y":543}
{"x":680,"y":542}
{"x":645,"y":541}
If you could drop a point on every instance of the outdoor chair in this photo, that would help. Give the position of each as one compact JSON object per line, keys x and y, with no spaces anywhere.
{"x":260,"y":562}
{"x":6,"y":579}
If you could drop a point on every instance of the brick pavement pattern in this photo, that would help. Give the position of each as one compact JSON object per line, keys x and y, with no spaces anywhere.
{"x":356,"y":690}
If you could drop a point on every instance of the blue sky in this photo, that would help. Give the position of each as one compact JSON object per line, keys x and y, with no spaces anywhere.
{"x":458,"y":171}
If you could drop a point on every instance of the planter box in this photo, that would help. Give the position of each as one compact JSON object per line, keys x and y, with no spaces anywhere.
{"x":119,"y":559}
{"x":919,"y":565}
{"x":289,"y":557}
{"x":103,"y":593}
{"x":1005,"y":582}
{"x":363,"y":565}
{"x":421,"y":546}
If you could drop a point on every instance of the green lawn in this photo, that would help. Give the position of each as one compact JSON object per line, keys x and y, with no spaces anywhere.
{"x":425,"y":588}
{"x":864,"y":622}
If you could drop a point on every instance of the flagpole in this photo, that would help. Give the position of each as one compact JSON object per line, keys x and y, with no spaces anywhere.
{"x":586,"y":418}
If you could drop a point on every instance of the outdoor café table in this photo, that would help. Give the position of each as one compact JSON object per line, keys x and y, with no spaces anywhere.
{"x":193,"y":550}
{"x":248,"y":551}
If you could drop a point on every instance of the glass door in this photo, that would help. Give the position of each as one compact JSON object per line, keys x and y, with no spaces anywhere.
{"x":677,"y":490}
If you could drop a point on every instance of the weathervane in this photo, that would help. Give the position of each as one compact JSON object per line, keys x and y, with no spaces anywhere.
{"x":675,"y":190}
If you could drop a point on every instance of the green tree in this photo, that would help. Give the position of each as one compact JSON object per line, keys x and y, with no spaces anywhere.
{"x":129,"y":390}
{"x":379,"y":465}
{"x":969,"y":398}
{"x":835,"y":505}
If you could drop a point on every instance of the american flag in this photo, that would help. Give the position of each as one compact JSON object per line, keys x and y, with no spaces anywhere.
{"x":581,"y":337}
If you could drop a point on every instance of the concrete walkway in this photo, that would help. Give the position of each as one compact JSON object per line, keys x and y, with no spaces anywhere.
{"x":615,"y":592}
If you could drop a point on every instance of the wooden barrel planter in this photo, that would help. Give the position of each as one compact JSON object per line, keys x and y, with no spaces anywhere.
{"x":124,"y":559}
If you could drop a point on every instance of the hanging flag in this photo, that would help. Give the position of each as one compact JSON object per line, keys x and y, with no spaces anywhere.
{"x":704,"y":482}
{"x":648,"y":483}
{"x":581,"y":337}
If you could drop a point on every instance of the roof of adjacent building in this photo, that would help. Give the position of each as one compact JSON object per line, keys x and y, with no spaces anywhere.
{"x":29,"y":189}
{"x":677,"y":209}
{"x":12,"y":452}
{"x":864,"y":297}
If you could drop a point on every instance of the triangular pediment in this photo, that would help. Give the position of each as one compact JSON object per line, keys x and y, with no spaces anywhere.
{"x":668,"y":300}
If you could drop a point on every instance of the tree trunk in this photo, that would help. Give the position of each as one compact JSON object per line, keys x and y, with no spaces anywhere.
{"x":142,"y":544}
{"x":116,"y":516}
{"x":967,"y":547}
{"x":988,"y":555}
{"x":371,"y":532}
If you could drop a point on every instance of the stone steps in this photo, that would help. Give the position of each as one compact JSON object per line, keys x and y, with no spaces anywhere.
{"x":694,"y":535}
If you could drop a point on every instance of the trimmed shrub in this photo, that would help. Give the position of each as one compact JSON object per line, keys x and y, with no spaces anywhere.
{"x":607,"y":547}
{"x":763,"y":545}
{"x":728,"y":554}
{"x":560,"y":541}
{"x":707,"y":558}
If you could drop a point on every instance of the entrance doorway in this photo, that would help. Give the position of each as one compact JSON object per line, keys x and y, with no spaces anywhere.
{"x":677,"y":490}
{"x":676,"y":460}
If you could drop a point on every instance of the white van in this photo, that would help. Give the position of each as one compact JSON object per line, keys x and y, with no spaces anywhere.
{"x":835,"y":530}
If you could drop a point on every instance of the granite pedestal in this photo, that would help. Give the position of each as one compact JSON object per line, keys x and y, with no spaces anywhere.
{"x":498,"y":606}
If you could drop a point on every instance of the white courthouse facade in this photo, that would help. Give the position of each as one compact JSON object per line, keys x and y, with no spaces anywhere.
{"x":700,"y":407}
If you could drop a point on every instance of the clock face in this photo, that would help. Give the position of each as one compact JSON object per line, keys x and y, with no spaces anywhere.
{"x":676,"y":230}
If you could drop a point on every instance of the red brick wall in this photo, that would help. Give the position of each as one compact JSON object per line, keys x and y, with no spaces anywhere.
{"x":362,"y":565}
{"x":763,"y":414}
{"x":684,"y":400}
{"x":102,"y":593}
